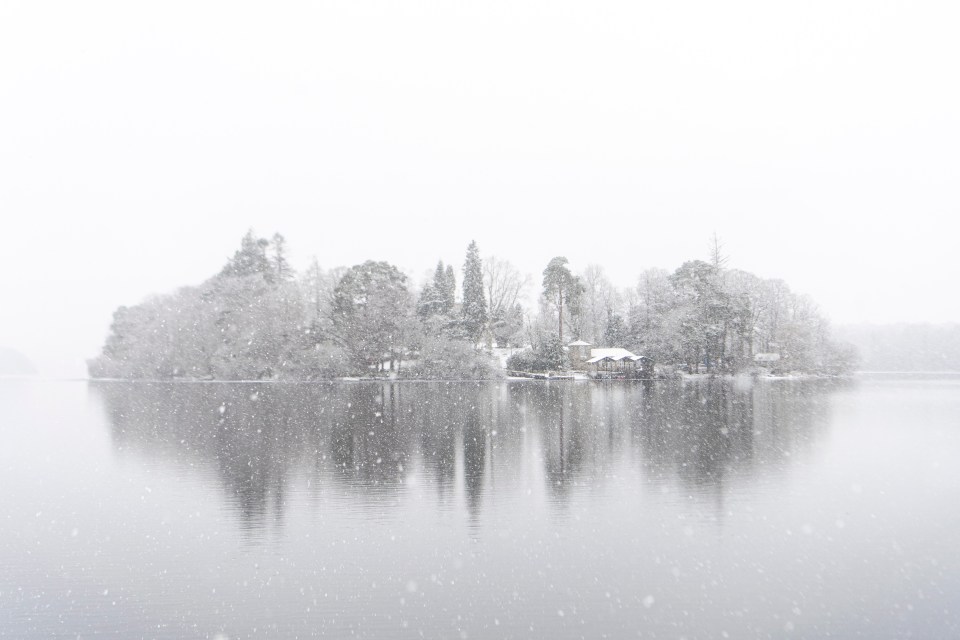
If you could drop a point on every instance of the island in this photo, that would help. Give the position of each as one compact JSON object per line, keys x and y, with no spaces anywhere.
{"x":257,"y":319}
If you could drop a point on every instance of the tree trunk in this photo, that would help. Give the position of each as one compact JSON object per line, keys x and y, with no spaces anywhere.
{"x":560,"y":317}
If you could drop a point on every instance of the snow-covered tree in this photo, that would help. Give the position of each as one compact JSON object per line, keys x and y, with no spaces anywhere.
{"x":250,"y":258}
{"x":252,"y":320}
{"x":278,"y":259}
{"x":474,"y":308}
{"x":616,"y":333}
{"x":437,"y":296}
{"x":371,"y":314}
{"x":563,"y":291}
{"x":447,"y":286}
{"x":599,"y":300}
{"x":504,"y":285}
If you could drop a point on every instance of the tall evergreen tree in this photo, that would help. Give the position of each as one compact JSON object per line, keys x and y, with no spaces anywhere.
{"x":474,"y":303}
{"x":444,"y":286}
{"x":281,"y":267}
{"x":437,"y":296}
{"x":438,"y":288}
{"x":313,"y":288}
{"x":250,"y":258}
{"x":449,"y":289}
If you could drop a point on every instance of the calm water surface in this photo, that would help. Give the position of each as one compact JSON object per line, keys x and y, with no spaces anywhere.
{"x":508,"y":510}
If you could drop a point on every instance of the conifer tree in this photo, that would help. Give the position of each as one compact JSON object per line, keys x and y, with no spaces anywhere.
{"x":449,"y":289}
{"x":474,"y":303}
{"x":249,"y":259}
{"x":437,"y":296}
{"x":561,"y":288}
{"x":281,"y":267}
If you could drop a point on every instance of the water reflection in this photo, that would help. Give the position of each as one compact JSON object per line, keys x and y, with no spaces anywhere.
{"x":373,"y":441}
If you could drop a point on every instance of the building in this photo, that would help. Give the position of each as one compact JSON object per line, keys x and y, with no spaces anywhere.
{"x":579,"y":353}
{"x":768,"y":361}
{"x":619,"y":363}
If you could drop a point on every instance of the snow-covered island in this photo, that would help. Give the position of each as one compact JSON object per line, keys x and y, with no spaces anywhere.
{"x":257,"y":319}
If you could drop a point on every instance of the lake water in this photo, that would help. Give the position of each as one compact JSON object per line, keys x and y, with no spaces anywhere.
{"x":495,"y":510}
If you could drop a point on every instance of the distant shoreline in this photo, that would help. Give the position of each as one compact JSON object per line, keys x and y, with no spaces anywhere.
{"x":798,"y":378}
{"x":353,"y":380}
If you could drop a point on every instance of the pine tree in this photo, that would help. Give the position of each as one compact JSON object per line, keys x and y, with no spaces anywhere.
{"x":436,"y":299}
{"x":443,"y":287}
{"x":560,"y":287}
{"x":449,"y":289}
{"x":281,"y":267}
{"x":313,"y":286}
{"x":474,"y":303}
{"x":249,"y":259}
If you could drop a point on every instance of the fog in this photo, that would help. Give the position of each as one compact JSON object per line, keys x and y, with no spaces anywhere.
{"x":138,"y":144}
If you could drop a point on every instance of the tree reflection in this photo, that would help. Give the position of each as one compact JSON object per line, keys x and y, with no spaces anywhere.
{"x":369,"y":440}
{"x":369,"y":445}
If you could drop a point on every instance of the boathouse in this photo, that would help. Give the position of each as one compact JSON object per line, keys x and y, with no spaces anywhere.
{"x":619,"y":363}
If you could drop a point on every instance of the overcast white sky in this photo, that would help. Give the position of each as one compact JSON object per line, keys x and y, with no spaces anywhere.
{"x":139,"y":141}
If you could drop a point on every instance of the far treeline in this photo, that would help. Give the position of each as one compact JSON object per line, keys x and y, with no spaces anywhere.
{"x":905,"y":346}
{"x":258,"y":319}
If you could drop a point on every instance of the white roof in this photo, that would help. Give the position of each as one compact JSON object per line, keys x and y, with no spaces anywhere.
{"x":615,"y":353}
{"x":579,"y":343}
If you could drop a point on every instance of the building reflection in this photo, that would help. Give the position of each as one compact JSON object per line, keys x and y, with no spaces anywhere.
{"x":466,"y":444}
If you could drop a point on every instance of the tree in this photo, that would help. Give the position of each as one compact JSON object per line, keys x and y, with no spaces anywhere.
{"x":507,"y":326}
{"x":561,"y":288}
{"x":616,"y":333}
{"x":442,"y":358}
{"x":504,"y":284}
{"x":256,"y":322}
{"x":437,"y":297}
{"x":547,"y":354}
{"x":748,"y":290}
{"x":448,"y":288}
{"x":707,"y":314}
{"x":427,"y":303}
{"x":252,"y":320}
{"x":717,"y":258}
{"x":278,"y":260}
{"x":312,"y":283}
{"x":474,"y":310}
{"x":692,"y":283}
{"x":249,"y":259}
{"x":371,"y":309}
{"x":599,"y":300}
{"x":653,"y":300}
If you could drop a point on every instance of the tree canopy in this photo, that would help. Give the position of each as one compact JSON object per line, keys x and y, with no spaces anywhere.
{"x":257,"y":318}
{"x":370,"y":308}
{"x":563,"y":291}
